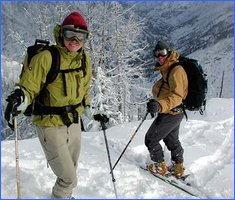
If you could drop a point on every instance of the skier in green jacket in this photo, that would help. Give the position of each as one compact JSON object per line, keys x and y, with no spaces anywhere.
{"x":58,"y":127}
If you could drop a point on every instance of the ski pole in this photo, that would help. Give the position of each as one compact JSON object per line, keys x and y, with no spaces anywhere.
{"x":107,"y":148}
{"x":17,"y":158}
{"x":130,"y":140}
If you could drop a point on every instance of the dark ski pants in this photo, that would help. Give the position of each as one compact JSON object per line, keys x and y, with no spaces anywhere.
{"x":165,"y":127}
{"x":61,"y":146}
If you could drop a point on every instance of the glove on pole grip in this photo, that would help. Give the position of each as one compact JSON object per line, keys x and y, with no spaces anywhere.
{"x":101,"y":118}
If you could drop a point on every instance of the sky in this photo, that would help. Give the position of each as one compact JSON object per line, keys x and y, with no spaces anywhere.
{"x":208,"y":142}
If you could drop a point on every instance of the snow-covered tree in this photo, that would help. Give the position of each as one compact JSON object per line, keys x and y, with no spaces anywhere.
{"x":116,"y":45}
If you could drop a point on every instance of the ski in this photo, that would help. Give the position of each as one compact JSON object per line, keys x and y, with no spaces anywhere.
{"x":180,"y":184}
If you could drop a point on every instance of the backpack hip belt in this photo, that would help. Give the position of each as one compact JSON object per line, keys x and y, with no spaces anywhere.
{"x":62,"y":111}
{"x":178,"y":109}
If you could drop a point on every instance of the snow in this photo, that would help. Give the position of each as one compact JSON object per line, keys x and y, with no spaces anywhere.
{"x":208,"y":141}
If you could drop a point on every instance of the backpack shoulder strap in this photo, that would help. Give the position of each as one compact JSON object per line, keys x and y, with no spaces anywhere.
{"x":53,"y":72}
{"x":84,"y":73}
{"x":83,"y":63}
{"x":55,"y":66}
{"x":167,"y":77}
{"x":82,"y":68}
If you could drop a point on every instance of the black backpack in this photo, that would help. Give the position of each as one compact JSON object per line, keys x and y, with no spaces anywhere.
{"x":197,"y":84}
{"x":39,"y":46}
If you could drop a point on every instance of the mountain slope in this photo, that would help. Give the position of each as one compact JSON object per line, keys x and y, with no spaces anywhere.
{"x":201,"y":30}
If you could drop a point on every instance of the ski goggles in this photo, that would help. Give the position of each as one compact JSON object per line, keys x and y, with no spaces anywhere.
{"x":160,"y":52}
{"x":75,"y":33}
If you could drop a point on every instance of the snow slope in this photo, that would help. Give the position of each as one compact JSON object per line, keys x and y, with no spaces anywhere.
{"x":208,"y":142}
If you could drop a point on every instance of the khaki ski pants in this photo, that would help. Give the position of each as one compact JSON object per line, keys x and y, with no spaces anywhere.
{"x":61,"y":146}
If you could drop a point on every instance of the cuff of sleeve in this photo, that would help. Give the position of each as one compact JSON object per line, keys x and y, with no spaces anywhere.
{"x":23,"y":105}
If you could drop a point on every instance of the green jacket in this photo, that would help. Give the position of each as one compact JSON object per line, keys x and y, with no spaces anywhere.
{"x":171,"y":95}
{"x":77,"y":86}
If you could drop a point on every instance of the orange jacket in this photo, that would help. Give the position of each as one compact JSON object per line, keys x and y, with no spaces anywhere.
{"x":171,"y":94}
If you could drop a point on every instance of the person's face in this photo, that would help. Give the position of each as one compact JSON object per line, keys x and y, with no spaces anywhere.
{"x":72,"y":44}
{"x":161,"y":56}
{"x":74,"y":38}
{"x":161,"y":59}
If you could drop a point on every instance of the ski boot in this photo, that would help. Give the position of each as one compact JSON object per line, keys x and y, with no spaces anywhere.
{"x":176,"y":169}
{"x":158,"y":168}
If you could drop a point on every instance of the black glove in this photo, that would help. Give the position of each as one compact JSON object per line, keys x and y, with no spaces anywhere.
{"x":152,"y":107}
{"x":101,"y":118}
{"x":14,"y":100}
